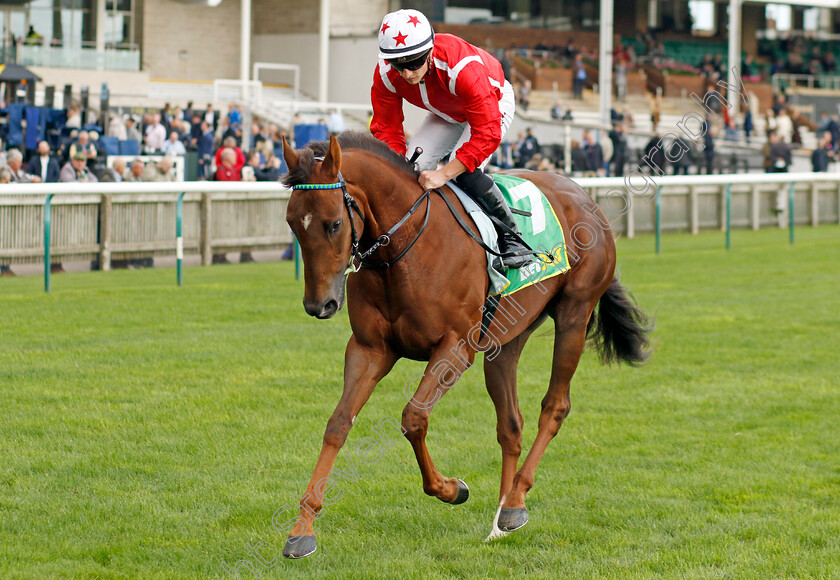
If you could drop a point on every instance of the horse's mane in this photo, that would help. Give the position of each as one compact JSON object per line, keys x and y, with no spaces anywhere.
{"x":347,"y":140}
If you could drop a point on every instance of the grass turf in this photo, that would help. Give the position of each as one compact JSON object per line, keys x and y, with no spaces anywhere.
{"x":151,"y":431}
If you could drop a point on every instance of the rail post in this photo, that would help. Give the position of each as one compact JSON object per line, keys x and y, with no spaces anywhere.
{"x":47,"y":226}
{"x":297,"y":257}
{"x":658,"y":220}
{"x":790,"y":209}
{"x":179,"y":238}
{"x":728,"y":216}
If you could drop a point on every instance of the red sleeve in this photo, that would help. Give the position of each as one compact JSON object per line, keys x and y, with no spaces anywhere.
{"x":481,"y":108}
{"x":240,"y":160}
{"x":387,"y":122}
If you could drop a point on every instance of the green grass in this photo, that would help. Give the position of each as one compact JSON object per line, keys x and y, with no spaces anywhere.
{"x":149,"y":431}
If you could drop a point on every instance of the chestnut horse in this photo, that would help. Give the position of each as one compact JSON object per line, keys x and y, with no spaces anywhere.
{"x":427,"y":305}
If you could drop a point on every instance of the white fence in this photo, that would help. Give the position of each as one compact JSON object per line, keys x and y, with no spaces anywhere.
{"x":106,"y":221}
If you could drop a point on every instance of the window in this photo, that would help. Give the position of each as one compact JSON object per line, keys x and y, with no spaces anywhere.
{"x":702,"y":16}
{"x":780,"y":14}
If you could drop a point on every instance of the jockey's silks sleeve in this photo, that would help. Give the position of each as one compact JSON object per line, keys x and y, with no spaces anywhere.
{"x":387,"y":122}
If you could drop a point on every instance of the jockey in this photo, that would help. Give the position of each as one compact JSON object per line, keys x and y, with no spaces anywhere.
{"x":470,"y":106}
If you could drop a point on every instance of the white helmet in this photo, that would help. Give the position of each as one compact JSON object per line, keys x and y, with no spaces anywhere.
{"x":405,"y":34}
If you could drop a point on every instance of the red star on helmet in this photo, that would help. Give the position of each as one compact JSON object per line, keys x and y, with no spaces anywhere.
{"x":414,"y":20}
{"x":385,"y":27}
{"x":400,"y":38}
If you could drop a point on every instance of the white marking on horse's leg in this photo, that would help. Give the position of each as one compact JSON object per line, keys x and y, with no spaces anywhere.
{"x":307,"y":219}
{"x":496,"y":532}
{"x":353,"y":420}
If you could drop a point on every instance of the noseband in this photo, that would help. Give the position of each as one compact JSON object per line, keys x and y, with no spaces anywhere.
{"x":383,"y":240}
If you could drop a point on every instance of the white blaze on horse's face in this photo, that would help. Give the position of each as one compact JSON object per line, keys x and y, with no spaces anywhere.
{"x":307,"y":219}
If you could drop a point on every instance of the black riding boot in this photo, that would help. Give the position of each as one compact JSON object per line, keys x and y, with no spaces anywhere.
{"x":486,"y":193}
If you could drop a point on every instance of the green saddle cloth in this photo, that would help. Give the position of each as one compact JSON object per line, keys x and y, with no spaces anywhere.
{"x":541,"y":230}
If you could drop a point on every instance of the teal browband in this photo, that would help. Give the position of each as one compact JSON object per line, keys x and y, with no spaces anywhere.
{"x":319,"y":185}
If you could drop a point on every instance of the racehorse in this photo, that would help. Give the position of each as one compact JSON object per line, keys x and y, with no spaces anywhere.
{"x":418,"y":290}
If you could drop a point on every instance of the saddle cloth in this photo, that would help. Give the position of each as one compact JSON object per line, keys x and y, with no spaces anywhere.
{"x":540,"y":229}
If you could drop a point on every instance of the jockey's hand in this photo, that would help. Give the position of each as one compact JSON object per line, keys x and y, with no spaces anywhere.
{"x":432,"y":179}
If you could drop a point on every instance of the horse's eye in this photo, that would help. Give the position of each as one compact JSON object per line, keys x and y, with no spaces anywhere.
{"x":333,"y":227}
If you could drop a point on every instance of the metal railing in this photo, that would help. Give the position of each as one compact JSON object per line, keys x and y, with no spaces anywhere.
{"x":77,"y":57}
{"x":782,"y":81}
{"x":99,"y":221}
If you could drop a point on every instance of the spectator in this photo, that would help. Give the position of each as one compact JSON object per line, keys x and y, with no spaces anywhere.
{"x":620,"y":149}
{"x":708,"y":144}
{"x":234,"y":116}
{"x":227,"y":169}
{"x":43,"y":165}
{"x":76,"y":170}
{"x":113,"y":174}
{"x":525,"y":95}
{"x":655,"y":155}
{"x":131,"y":131}
{"x":680,"y":153}
{"x":833,"y":129}
{"x":529,"y":147}
{"x":779,"y":104}
{"x":594,"y":155}
{"x":74,"y":117}
{"x":116,"y":128}
{"x":749,"y":71}
{"x":166,"y":116}
{"x":823,"y":154}
{"x":205,"y":151}
{"x":14,"y":160}
{"x":212,"y":117}
{"x":784,"y":126}
{"x":173,"y":146}
{"x":748,"y":125}
{"x":777,"y":155}
{"x":160,"y":171}
{"x":579,"y":75}
{"x":155,"y":135}
{"x":5,"y":177}
{"x":731,"y":132}
{"x":135,"y":172}
{"x":230,"y":142}
{"x":336,"y":122}
{"x":196,"y":131}
{"x":621,"y":79}
{"x":580,"y":164}
{"x":84,"y":146}
{"x":269,"y":171}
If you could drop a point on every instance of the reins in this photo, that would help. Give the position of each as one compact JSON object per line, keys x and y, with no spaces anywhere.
{"x":385,"y":239}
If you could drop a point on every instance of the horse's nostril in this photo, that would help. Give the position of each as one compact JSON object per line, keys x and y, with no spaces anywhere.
{"x":329,"y":309}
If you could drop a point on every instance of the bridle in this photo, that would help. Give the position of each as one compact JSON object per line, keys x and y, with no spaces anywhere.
{"x":383,"y":240}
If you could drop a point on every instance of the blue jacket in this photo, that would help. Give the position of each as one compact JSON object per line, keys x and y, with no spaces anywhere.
{"x":205,"y":145}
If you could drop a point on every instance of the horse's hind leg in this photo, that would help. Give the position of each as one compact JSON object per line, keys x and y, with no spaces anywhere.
{"x":570,"y":319}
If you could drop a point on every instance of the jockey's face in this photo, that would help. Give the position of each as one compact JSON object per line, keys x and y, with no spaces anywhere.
{"x":413,"y":77}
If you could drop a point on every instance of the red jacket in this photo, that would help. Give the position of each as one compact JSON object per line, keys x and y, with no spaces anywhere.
{"x":225,"y":174}
{"x":240,"y":158}
{"x":463,"y":84}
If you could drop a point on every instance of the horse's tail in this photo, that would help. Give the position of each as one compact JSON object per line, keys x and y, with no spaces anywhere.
{"x":620,"y":328}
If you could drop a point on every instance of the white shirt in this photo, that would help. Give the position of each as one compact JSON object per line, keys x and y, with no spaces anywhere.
{"x":45,"y":163}
{"x":174,"y":148}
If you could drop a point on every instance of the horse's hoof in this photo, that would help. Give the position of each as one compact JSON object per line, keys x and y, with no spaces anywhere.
{"x":463,"y":493}
{"x":511,"y":519}
{"x":299,"y":547}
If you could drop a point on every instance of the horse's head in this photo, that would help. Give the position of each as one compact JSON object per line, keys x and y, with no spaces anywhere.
{"x":321,"y":224}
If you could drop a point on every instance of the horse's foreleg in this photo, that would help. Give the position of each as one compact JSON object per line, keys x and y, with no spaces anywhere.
{"x":363,"y":369}
{"x":500,"y":379}
{"x":570,"y":336}
{"x":446,"y":366}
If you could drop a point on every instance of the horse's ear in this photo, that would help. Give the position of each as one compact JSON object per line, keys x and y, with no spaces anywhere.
{"x":332,"y":160}
{"x":290,"y":155}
